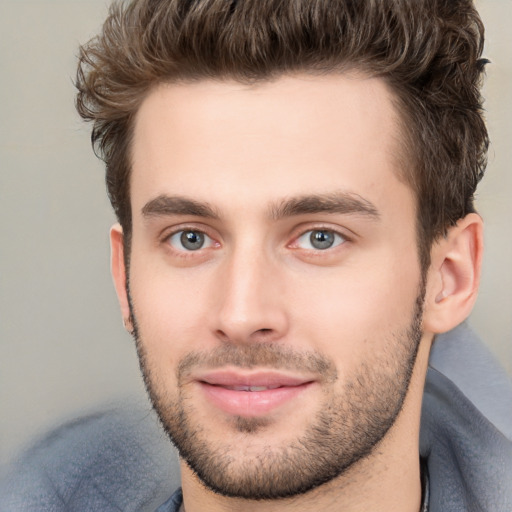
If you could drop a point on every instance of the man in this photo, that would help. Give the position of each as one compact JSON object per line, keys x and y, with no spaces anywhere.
{"x":294,"y":184}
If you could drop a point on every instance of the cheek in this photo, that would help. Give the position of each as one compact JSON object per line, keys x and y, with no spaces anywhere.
{"x":169,"y":308}
{"x":354,"y":311}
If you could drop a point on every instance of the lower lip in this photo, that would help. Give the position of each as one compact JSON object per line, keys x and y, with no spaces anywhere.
{"x":251,"y":403}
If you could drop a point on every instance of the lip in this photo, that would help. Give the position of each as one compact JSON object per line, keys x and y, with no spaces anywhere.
{"x":251,"y":394}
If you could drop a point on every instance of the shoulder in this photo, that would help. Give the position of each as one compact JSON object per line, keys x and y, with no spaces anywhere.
{"x":461,"y":356}
{"x":116,"y":459}
{"x":467,"y":426}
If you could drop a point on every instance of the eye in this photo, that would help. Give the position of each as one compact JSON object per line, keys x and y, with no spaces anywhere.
{"x":190,"y":240}
{"x":320,"y":239}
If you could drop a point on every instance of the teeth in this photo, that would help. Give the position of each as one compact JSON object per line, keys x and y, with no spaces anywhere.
{"x":250,"y":388}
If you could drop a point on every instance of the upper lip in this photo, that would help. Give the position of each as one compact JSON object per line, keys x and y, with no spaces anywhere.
{"x":269,"y":379}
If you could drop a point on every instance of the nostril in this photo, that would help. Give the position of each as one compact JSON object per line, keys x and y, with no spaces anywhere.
{"x":222,"y":335}
{"x":264,"y":334}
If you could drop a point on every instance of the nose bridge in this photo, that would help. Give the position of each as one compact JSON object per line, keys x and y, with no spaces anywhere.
{"x":250,"y":305}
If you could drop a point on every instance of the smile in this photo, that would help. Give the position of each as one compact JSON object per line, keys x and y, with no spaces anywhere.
{"x":252,"y":394}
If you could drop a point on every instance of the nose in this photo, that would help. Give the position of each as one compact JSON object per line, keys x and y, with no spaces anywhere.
{"x":250,"y":302}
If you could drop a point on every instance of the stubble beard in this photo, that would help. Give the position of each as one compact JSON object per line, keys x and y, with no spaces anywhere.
{"x":346,"y":430}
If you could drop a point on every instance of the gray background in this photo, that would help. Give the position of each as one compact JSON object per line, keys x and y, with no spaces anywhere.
{"x":63,"y":347}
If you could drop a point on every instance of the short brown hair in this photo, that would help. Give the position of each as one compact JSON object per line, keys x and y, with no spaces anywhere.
{"x":428,"y":51}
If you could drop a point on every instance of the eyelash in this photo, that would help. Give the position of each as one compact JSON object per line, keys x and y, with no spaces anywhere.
{"x":184,"y":253}
{"x":303,"y":233}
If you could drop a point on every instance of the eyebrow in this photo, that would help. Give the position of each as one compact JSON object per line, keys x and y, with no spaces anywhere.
{"x":338,"y":202}
{"x":176,"y":205}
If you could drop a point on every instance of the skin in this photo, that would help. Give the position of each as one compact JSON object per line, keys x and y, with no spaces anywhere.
{"x":241,"y":152}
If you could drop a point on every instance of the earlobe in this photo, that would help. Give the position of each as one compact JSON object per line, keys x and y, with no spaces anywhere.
{"x":118,"y":269}
{"x":454,"y":275}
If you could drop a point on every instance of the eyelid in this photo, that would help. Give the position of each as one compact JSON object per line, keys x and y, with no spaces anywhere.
{"x":167,"y":234}
{"x":207,"y":241}
{"x":306,"y":238}
{"x":344,"y":233}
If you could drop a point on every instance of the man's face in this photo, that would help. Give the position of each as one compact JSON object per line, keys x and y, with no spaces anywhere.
{"x":274,"y":276}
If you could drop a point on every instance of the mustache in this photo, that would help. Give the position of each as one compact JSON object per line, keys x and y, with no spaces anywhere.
{"x":259,"y":355}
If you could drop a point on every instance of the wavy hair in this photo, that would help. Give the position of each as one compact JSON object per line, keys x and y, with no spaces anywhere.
{"x":428,"y":52}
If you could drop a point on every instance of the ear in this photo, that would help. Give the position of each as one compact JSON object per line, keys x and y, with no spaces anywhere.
{"x":454,"y":275}
{"x":118,"y":269}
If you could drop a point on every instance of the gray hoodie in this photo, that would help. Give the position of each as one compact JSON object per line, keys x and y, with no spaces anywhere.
{"x":119,"y":459}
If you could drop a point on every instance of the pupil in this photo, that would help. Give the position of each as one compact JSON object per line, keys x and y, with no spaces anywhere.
{"x":322,"y":239}
{"x":192,"y":240}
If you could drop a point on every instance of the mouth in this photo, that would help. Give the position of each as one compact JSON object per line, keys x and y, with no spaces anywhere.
{"x":250,"y":388}
{"x":252,"y":394}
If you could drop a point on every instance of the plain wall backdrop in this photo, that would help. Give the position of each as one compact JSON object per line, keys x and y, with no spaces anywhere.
{"x":63,"y":347}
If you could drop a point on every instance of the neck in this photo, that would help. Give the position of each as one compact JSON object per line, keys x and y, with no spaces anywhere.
{"x":387,"y":480}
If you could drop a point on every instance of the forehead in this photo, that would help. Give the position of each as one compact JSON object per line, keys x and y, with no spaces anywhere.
{"x":220,"y":140}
